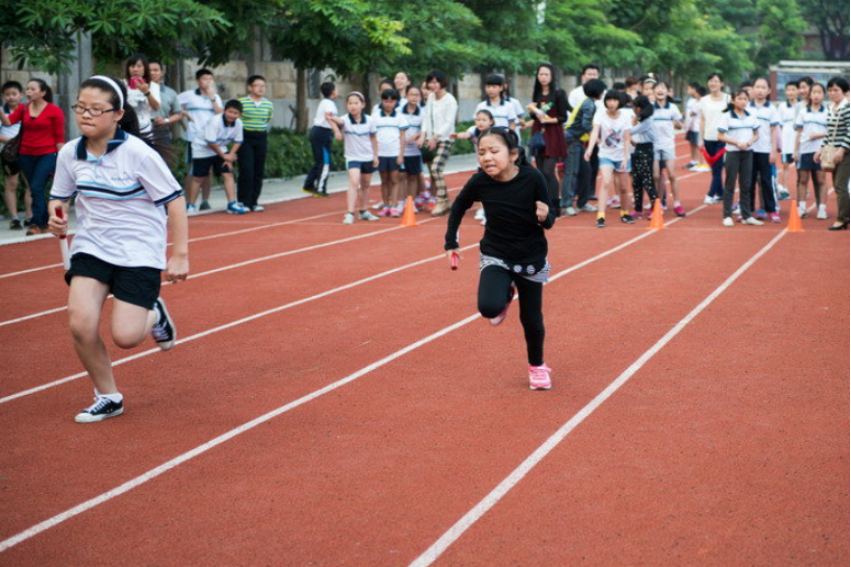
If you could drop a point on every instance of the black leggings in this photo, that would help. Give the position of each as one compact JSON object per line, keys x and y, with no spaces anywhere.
{"x":642,"y":174}
{"x":494,"y":284}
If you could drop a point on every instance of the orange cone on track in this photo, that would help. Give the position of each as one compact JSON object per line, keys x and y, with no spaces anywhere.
{"x":657,"y":220}
{"x":794,"y":219}
{"x":409,"y":217}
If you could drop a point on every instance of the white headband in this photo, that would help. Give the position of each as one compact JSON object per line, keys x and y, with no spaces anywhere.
{"x":115,"y":87}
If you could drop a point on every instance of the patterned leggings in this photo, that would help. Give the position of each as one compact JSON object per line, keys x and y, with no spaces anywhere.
{"x":436,"y":168}
{"x":642,"y":174}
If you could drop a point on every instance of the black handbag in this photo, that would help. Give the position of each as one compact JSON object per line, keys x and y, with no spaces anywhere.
{"x":537,"y":142}
{"x":9,"y":153}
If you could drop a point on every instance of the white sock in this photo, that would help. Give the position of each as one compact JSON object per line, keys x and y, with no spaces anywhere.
{"x":676,"y":203}
{"x":116,"y":397}
{"x":822,"y":207}
{"x":802,"y":205}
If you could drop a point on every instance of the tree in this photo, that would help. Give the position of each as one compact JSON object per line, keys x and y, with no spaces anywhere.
{"x":830,"y":17}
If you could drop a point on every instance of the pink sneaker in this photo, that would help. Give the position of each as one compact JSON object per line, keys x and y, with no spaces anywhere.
{"x":501,"y":317}
{"x":385,"y":212}
{"x":395,"y":213}
{"x":774,"y":217}
{"x":539,"y":377}
{"x":681,"y":212}
{"x":636,"y":214}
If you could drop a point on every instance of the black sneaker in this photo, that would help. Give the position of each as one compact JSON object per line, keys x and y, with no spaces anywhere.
{"x":163,"y":332}
{"x":323,"y":194}
{"x":205,"y":206}
{"x":627,"y":219}
{"x":601,"y":223}
{"x":15,"y":224}
{"x":28,"y":222}
{"x":103,"y":408}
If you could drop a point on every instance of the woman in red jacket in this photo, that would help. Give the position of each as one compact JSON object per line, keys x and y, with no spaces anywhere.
{"x":43,"y":126}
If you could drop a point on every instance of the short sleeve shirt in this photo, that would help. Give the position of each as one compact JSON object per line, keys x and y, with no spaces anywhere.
{"x":612,"y":133}
{"x":325,"y":105}
{"x":200,"y":109}
{"x":389,"y":131}
{"x":503,"y":113}
{"x":8,"y":132}
{"x":787,"y":113}
{"x":218,"y":133}
{"x":142,"y":105}
{"x":415,"y":122}
{"x":767,"y":118}
{"x":739,"y":128}
{"x":357,"y":138}
{"x":811,"y":122}
{"x":663,"y":123}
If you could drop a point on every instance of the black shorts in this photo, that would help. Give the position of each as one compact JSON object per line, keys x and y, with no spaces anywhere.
{"x":11,"y":167}
{"x":201,"y":166}
{"x":388,"y":164}
{"x":138,"y":286}
{"x":363,"y":166}
{"x":692,"y":137}
{"x":413,"y":165}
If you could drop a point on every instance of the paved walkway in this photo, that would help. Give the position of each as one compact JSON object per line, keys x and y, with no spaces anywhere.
{"x":274,"y":191}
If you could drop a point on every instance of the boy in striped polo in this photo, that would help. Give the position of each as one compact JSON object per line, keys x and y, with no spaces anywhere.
{"x":257,"y":114}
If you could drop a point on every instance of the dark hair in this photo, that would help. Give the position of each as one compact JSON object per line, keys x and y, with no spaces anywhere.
{"x":806,"y":79}
{"x":819,"y":85}
{"x":129,"y":122}
{"x":385,"y":81}
{"x":594,"y":88}
{"x":250,"y":80}
{"x":695,"y":85}
{"x":736,"y":93}
{"x":667,"y":86}
{"x":12,"y":85}
{"x":327,"y":89}
{"x":537,"y":91}
{"x":136,"y":58}
{"x":43,"y":87}
{"x":416,"y":88}
{"x":718,"y":76}
{"x":389,"y":94}
{"x":590,"y":66}
{"x":438,"y":76}
{"x":201,"y":72}
{"x":233,"y":103}
{"x":497,"y":80}
{"x":486,"y":112}
{"x":506,"y":88}
{"x":644,"y":107}
{"x":631,"y":81}
{"x":837,"y":81}
{"x":767,"y":82}
{"x":359,"y":95}
{"x":792,"y":84}
{"x":614,"y":95}
{"x":510,"y":140}
{"x":746,"y":84}
{"x":619,"y":86}
{"x":702,"y":91}
{"x":158,"y":62}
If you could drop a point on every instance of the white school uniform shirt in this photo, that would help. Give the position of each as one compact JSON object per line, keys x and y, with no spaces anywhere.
{"x":503,"y":113}
{"x":389,"y":129}
{"x":9,"y":132}
{"x":519,"y":110}
{"x":787,"y":113}
{"x":663,"y":124}
{"x":377,"y":106}
{"x":711,"y":110}
{"x":612,"y":132}
{"x":142,"y":105}
{"x":811,"y":122}
{"x":218,"y":133}
{"x":120,"y":196}
{"x":356,"y":137}
{"x":325,"y":105}
{"x":200,"y":109}
{"x":767,"y":117}
{"x":739,"y":128}
{"x":692,"y":115}
{"x":415,"y":122}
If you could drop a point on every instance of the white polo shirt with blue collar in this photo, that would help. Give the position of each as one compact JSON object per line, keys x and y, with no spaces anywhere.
{"x":389,"y":131}
{"x":415,"y":123}
{"x":663,"y":124}
{"x":357,"y":138}
{"x":786,"y":114}
{"x":811,"y":122}
{"x":767,"y":118}
{"x":739,"y":128}
{"x":120,"y":196}
{"x":200,"y":109}
{"x":503,"y":113}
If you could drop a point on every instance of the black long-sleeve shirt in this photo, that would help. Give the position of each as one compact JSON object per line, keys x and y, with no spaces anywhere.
{"x":513,"y":232}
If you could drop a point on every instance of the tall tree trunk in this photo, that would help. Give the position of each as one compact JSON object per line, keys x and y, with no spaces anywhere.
{"x":301,"y":101}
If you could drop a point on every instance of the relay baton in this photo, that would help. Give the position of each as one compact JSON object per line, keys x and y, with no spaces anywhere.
{"x":63,"y":242}
{"x":454,"y":261}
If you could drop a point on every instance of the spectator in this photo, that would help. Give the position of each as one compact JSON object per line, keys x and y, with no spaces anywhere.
{"x":257,"y":112}
{"x":199,"y":105}
{"x":440,"y":113}
{"x":169,"y":111}
{"x":142,"y":93}
{"x":12,"y":92}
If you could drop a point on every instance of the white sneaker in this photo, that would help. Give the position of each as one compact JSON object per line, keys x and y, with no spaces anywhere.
{"x":378,"y":206}
{"x":588,"y":208}
{"x":822,"y":212}
{"x":368,"y":216}
{"x":349,"y":218}
{"x":753,"y":221}
{"x":191,"y":210}
{"x":571,"y":211}
{"x":709,"y":200}
{"x":802,"y":211}
{"x":257,"y":209}
{"x":480,"y":214}
{"x":728,"y":221}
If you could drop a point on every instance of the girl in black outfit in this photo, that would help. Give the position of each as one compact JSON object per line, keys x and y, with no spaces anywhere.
{"x":514,"y":248}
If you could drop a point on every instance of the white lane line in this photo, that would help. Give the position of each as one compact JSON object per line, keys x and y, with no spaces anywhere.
{"x":165,"y":467}
{"x":457,"y":530}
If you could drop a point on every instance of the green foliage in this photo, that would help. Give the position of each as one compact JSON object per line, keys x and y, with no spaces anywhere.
{"x":830,"y":17}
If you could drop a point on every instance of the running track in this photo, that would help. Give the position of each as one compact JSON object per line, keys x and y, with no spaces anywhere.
{"x":338,"y":403}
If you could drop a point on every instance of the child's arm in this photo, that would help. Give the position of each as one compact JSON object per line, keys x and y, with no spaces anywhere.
{"x":178,"y":265}
{"x":374,"y":141}
{"x":774,"y":132}
{"x":338,"y":134}
{"x":627,"y":141}
{"x":595,"y":133}
{"x":460,"y":135}
{"x":797,"y":151}
{"x":401,"y":159}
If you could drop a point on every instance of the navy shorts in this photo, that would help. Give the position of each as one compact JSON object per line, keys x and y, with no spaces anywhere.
{"x":806,"y":163}
{"x":413,"y":165}
{"x":388,"y":164}
{"x":201,"y":166}
{"x":788,"y":158}
{"x":363,"y":166}
{"x":138,"y":286}
{"x":692,"y":137}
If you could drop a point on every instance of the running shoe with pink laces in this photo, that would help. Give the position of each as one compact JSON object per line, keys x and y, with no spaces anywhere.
{"x":774,"y":217}
{"x":681,"y":212}
{"x":539,"y":377}
{"x":501,"y":317}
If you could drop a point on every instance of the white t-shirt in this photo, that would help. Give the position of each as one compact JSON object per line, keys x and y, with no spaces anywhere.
{"x":325,"y":105}
{"x":711,"y":111}
{"x":8,"y":132}
{"x":357,"y":138}
{"x":218,"y":133}
{"x":503,"y":113}
{"x":415,"y":122}
{"x":389,"y":129}
{"x":200,"y":109}
{"x":142,"y":105}
{"x":787,"y":113}
{"x":519,"y":110}
{"x":767,"y":118}
{"x":663,"y":124}
{"x":739,"y":128}
{"x":692,"y":116}
{"x":811,"y":122}
{"x":612,"y":132}
{"x":120,"y":217}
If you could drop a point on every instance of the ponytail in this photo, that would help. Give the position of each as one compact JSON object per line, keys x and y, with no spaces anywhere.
{"x":43,"y":87}
{"x":730,"y":105}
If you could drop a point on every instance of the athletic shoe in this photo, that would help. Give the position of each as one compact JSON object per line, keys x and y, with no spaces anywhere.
{"x":205,"y":206}
{"x":614,"y":203}
{"x":774,"y":217}
{"x":588,"y":208}
{"x":237,"y":208}
{"x":367,"y":216}
{"x":378,"y":206}
{"x":441,"y":208}
{"x":822,"y":212}
{"x":28,"y":222}
{"x":753,"y":221}
{"x":480,"y":214}
{"x":512,"y":289}
{"x":349,"y":218}
{"x":681,"y":212}
{"x":783,"y":193}
{"x":601,"y":223}
{"x":636,"y":214}
{"x":384,"y":212}
{"x":648,"y":213}
{"x":191,"y":209}
{"x":592,"y":198}
{"x":736,"y":210}
{"x":539,"y":377}
{"x":15,"y":224}
{"x":321,"y":194}
{"x":258,"y":208}
{"x":395,"y":213}
{"x":728,"y":221}
{"x":717,"y":199}
{"x":571,"y":211}
{"x":308,"y":190}
{"x":703,"y":168}
{"x":103,"y":408}
{"x":626,"y":219}
{"x":761,"y":214}
{"x":36,"y":230}
{"x":163,"y":332}
{"x":690,"y":165}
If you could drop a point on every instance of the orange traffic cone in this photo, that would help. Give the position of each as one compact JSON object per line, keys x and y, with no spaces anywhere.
{"x":794,"y":219}
{"x":409,"y":217}
{"x":657,"y":220}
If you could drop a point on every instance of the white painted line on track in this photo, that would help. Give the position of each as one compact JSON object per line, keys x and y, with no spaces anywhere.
{"x":171,"y":464}
{"x":457,"y":530}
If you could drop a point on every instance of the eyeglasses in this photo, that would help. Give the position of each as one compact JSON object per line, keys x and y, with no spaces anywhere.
{"x":94,"y":112}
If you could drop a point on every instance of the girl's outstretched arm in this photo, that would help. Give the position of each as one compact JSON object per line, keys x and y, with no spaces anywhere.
{"x":178,"y":264}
